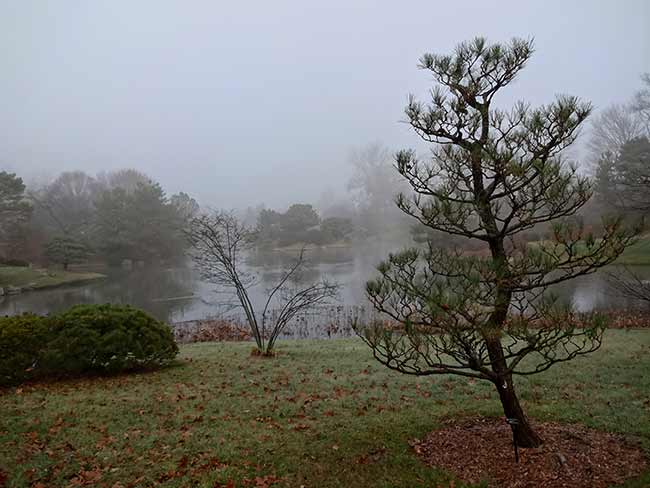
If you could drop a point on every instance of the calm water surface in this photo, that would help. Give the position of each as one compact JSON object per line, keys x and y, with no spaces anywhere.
{"x":178,"y":294}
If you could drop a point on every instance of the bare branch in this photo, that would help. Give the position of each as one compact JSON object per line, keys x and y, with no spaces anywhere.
{"x":219,"y":242}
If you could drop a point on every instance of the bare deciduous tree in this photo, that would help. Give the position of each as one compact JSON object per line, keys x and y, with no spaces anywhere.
{"x":67,"y":204}
{"x":611,"y":128}
{"x":372,"y":186}
{"x":219,"y":243}
{"x":629,"y":284}
{"x":494,"y":174}
{"x":641,"y":102}
{"x":619,"y":146}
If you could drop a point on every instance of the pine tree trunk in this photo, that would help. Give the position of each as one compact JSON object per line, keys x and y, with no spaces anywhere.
{"x":524,"y":434}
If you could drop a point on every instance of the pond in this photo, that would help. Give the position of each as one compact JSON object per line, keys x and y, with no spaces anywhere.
{"x":178,"y":294}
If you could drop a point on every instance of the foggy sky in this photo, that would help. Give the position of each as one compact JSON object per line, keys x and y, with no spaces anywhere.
{"x":242,"y":102}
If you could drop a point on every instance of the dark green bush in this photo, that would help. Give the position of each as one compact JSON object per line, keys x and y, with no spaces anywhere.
{"x":110,"y":338}
{"x":85,"y":339}
{"x":22,"y":341}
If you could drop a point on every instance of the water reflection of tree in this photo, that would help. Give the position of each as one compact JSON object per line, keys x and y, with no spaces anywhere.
{"x":270,"y":277}
{"x":283,"y":258}
{"x":160,"y":291}
{"x":150,"y":289}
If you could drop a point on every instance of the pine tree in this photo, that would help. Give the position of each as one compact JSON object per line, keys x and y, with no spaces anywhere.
{"x":15,"y":211}
{"x":493,"y":174}
{"x":67,"y":250}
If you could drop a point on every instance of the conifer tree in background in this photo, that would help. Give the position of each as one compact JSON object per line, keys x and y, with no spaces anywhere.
{"x":15,"y":212}
{"x":67,"y":250}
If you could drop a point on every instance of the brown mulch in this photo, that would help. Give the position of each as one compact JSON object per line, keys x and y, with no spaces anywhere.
{"x":210,"y":330}
{"x":571,"y":456}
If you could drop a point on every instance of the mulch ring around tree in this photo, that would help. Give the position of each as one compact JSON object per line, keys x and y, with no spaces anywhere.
{"x":571,"y":456}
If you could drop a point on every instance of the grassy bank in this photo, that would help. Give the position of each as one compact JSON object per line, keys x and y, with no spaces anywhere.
{"x":637,"y":254}
{"x":321,"y":414}
{"x":19,"y":277}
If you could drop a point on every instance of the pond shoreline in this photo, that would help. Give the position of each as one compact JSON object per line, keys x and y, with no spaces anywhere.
{"x":18,"y":280}
{"x":177,"y":294}
{"x":236,"y":330}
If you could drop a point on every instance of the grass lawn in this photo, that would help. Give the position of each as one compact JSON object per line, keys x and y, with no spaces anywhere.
{"x":639,"y":253}
{"x":636,"y":254}
{"x":321,"y":414}
{"x":42,"y":278}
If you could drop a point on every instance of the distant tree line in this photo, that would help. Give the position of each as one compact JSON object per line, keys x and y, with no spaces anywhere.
{"x":107,"y":218}
{"x":300,"y":224}
{"x":124,"y":214}
{"x":363,"y":208}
